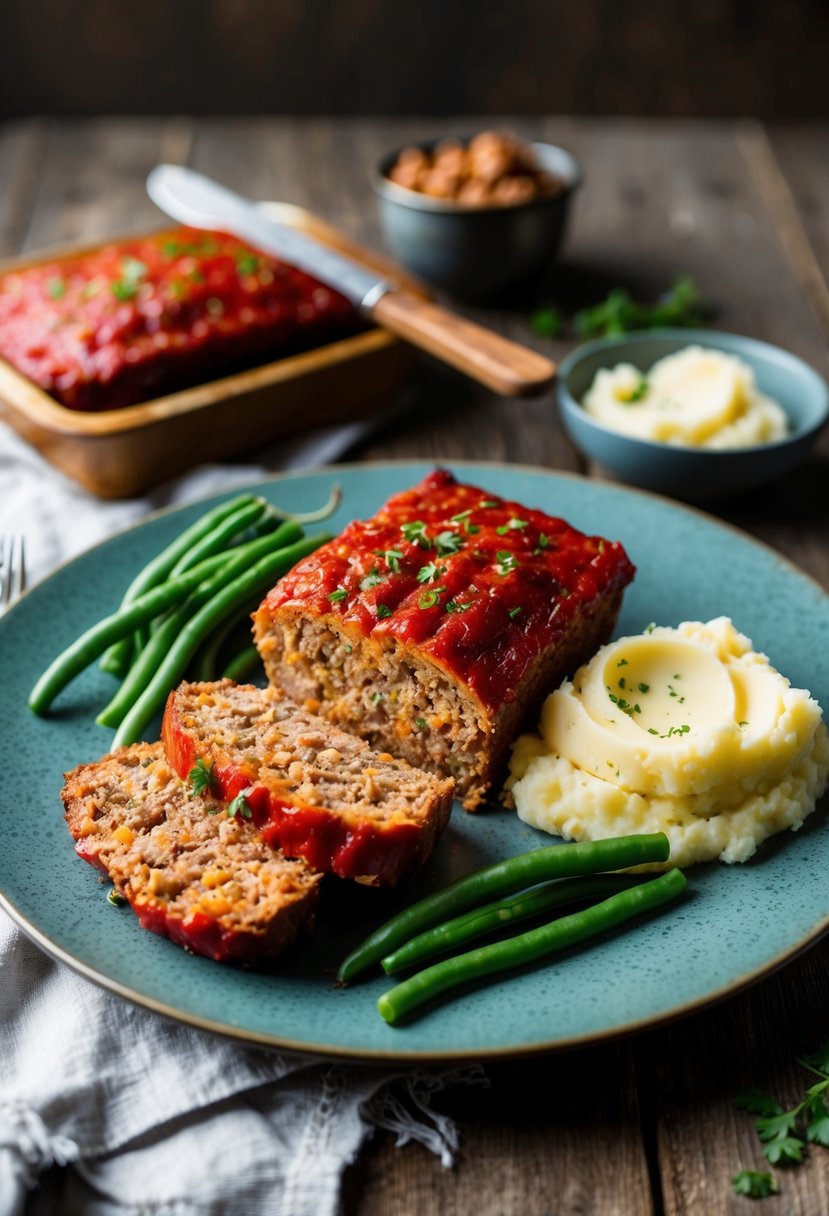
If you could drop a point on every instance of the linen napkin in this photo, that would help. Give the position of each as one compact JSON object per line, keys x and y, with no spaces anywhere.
{"x":149,"y":1116}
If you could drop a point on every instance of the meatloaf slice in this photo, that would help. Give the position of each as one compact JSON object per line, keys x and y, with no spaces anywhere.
{"x":313,"y":790}
{"x":435,"y":629}
{"x":207,"y":882}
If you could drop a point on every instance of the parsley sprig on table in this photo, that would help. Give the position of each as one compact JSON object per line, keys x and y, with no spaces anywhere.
{"x":682,"y":306}
{"x":786,"y":1133}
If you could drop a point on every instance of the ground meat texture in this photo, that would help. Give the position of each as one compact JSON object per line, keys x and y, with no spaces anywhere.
{"x":190,"y":873}
{"x":313,"y":790}
{"x":435,"y":628}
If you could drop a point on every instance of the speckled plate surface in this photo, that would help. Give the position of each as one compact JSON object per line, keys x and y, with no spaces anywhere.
{"x":737,"y":923}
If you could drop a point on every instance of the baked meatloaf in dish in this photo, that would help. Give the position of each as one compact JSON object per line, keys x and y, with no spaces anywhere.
{"x":313,"y":790}
{"x":191,"y":873}
{"x":435,"y":628}
{"x":144,"y":317}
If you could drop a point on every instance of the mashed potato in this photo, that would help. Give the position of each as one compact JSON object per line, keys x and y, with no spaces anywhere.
{"x":697,"y":398}
{"x":688,"y":731}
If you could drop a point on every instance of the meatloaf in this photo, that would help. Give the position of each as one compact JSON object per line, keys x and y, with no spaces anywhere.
{"x":313,"y":790}
{"x":435,"y":628}
{"x":206,"y":881}
{"x":152,"y":315}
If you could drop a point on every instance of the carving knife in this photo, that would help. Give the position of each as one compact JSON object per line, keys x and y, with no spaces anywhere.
{"x":502,"y":365}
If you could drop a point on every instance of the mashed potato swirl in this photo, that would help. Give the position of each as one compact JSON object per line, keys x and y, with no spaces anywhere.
{"x":689,"y":731}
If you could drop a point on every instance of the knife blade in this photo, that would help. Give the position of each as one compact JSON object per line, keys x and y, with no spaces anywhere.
{"x":196,"y":200}
{"x":502,"y":365}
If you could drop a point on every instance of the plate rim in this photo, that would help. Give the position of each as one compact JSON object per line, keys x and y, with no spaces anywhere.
{"x":370,"y":1056}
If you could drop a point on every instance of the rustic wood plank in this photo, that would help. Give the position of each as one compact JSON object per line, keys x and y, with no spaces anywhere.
{"x":93,"y":179}
{"x":551,"y":1135}
{"x":696,"y":1068}
{"x":21,"y":164}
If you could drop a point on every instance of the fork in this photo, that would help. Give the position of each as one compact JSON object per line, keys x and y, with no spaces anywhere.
{"x":12,"y":570}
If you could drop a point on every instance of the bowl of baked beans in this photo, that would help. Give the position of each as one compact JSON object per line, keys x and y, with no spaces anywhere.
{"x":476,"y":216}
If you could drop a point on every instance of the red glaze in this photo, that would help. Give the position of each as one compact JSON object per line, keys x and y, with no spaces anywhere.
{"x":142,"y":318}
{"x":523,"y":586}
{"x":350,"y":847}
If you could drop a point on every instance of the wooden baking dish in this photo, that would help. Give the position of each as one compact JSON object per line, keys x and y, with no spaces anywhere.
{"x":122,"y":452}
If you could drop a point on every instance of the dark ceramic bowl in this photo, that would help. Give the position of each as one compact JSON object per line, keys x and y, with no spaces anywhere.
{"x":695,"y":474}
{"x":476,"y":253}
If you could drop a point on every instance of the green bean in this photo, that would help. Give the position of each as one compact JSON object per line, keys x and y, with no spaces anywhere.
{"x":207,"y":660}
{"x":529,"y":947}
{"x":117,"y":658}
{"x":503,"y":878}
{"x":242,"y":664}
{"x":234,"y":564}
{"x":229,"y":600}
{"x":94,"y":641}
{"x":489,"y":917}
{"x":219,"y":538}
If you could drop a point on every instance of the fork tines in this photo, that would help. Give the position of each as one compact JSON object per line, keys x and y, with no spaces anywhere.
{"x":12,"y":569}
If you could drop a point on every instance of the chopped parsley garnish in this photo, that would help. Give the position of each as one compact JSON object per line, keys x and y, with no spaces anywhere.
{"x":543,"y":543}
{"x":649,"y":628}
{"x":640,"y":392}
{"x":454,"y":606}
{"x":652,"y":731}
{"x":240,"y":805}
{"x":624,"y":705}
{"x":622,"y":663}
{"x":673,"y":693}
{"x":420,"y":723}
{"x":676,"y":730}
{"x":506,"y":561}
{"x":488,"y":502}
{"x":339,"y":594}
{"x":428,"y":599}
{"x":430,"y":573}
{"x":644,"y":687}
{"x":383,"y":610}
{"x":247,"y":263}
{"x":392,"y":557}
{"x":463,"y":519}
{"x":621,"y":681}
{"x":56,"y":288}
{"x":514,"y":611}
{"x":347,"y":648}
{"x":415,"y":533}
{"x":377,"y":697}
{"x":202,"y":778}
{"x":371,"y":580}
{"x":742,"y":723}
{"x":448,"y":542}
{"x":512,"y":525}
{"x":116,"y":898}
{"x":132,"y":272}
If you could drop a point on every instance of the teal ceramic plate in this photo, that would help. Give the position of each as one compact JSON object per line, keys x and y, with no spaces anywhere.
{"x":737,"y":923}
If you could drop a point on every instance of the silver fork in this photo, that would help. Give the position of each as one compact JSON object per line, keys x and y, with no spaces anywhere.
{"x":12,"y":570}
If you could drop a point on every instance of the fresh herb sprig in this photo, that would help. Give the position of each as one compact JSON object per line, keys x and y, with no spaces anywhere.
{"x":786,"y":1134}
{"x":682,"y":306}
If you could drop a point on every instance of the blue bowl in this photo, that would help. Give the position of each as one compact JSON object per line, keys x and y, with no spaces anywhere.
{"x":476,"y":253}
{"x":695,"y":474}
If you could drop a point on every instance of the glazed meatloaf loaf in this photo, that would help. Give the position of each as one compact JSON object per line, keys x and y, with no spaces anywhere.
{"x":313,"y":790}
{"x":206,"y":881}
{"x":435,"y":628}
{"x":136,"y":319}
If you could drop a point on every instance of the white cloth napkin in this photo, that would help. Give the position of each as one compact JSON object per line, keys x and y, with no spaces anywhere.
{"x":149,"y":1116}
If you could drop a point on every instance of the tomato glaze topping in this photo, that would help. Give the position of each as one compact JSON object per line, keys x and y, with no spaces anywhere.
{"x":478,"y":583}
{"x":142,"y":317}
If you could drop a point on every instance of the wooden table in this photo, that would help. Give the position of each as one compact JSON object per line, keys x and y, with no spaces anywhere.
{"x":646,"y":1125}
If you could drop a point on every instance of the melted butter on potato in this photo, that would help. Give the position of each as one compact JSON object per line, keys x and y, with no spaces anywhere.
{"x":689,"y":731}
{"x":696,"y":398}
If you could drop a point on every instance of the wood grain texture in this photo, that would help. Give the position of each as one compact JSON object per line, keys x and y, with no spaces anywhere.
{"x":644,"y":1127}
{"x":483,"y":354}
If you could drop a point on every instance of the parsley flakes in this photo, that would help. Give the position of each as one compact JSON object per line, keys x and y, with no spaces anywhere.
{"x":202,"y":778}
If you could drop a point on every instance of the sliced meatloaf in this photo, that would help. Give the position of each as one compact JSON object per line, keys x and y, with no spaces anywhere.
{"x":435,"y":629}
{"x":315,"y":791}
{"x":192,"y":874}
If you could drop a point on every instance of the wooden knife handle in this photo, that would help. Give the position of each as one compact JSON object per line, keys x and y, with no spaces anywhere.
{"x":495,"y":361}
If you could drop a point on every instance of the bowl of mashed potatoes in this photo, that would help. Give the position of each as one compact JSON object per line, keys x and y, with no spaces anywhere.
{"x":692,"y":413}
